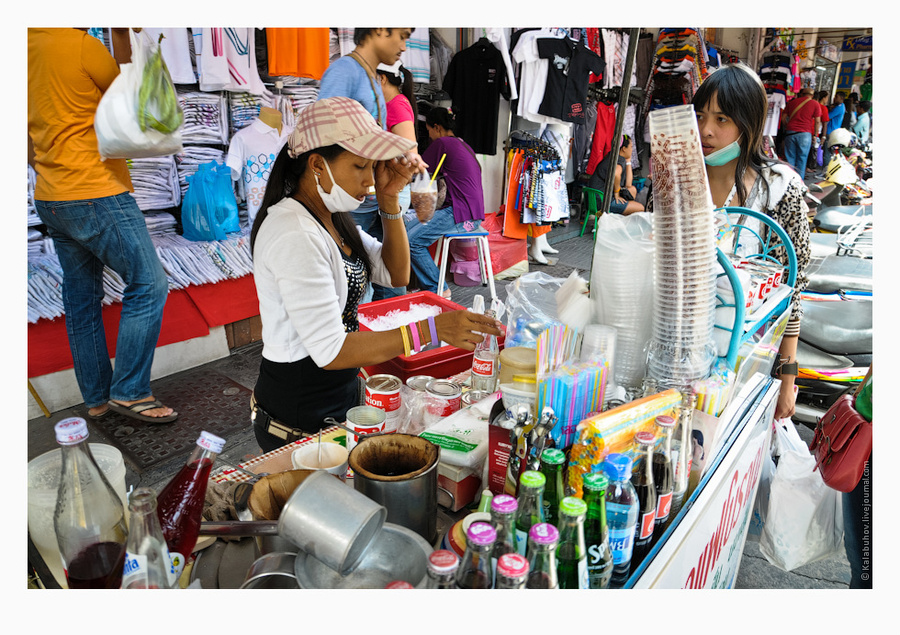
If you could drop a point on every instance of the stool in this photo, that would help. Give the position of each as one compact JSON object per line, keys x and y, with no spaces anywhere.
{"x":594,"y":199}
{"x":442,"y":254}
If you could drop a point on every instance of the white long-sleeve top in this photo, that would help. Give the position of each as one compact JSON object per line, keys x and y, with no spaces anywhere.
{"x":302,"y":285}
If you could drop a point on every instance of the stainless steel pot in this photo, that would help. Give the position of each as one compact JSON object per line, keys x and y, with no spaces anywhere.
{"x":399,"y":471}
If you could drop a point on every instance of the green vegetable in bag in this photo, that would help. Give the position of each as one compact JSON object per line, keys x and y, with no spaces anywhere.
{"x":158,"y":106}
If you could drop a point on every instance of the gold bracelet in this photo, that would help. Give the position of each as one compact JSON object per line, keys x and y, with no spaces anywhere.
{"x":406,"y":348}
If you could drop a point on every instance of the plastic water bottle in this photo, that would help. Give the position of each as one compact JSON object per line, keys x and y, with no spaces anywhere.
{"x":485,"y":367}
{"x":621,"y":515}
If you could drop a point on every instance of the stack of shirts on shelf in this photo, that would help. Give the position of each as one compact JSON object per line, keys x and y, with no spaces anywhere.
{"x":293,"y":99}
{"x":187,"y":262}
{"x":160,"y":224}
{"x":244,"y":108}
{"x":155,"y":182}
{"x":192,"y":157}
{"x":33,"y":218}
{"x":205,"y":117}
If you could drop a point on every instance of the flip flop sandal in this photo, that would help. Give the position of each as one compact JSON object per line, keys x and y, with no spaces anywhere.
{"x":99,"y":416}
{"x":134,"y":411}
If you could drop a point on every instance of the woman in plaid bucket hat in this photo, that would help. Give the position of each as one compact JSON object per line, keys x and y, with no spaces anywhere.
{"x":312,"y":264}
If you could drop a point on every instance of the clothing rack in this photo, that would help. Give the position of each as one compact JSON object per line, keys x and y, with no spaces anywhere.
{"x":530,"y":142}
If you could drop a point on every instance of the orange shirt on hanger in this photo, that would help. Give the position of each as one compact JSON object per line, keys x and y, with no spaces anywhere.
{"x":298,"y":52}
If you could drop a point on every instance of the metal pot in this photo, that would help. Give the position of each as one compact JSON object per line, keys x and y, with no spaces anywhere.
{"x":399,"y":471}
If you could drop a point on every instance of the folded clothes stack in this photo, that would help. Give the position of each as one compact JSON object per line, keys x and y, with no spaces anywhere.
{"x":155,"y":183}
{"x":205,"y":117}
{"x":188,"y":161}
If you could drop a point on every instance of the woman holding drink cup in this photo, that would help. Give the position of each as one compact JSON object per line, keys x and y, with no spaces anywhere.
{"x":463,"y":208}
{"x":311,"y":265}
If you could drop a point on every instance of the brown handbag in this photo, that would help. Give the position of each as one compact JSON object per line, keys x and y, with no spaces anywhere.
{"x":842,"y":445}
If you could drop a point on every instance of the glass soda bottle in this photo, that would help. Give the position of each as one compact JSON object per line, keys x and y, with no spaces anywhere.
{"x":663,"y":475}
{"x":531,"y":506}
{"x":571,"y":554}
{"x":552,"y":464}
{"x":475,"y":570}
{"x":485,"y":366}
{"x":147,"y":562}
{"x":180,"y":503}
{"x":621,"y":516}
{"x":682,"y":452}
{"x":543,"y":539}
{"x":596,"y":533}
{"x":89,"y":518}
{"x":503,"y":519}
{"x":442,"y":566}
{"x":512,"y":571}
{"x":642,"y":479}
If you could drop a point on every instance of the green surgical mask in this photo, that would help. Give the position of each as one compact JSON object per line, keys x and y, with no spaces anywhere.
{"x":724,"y":155}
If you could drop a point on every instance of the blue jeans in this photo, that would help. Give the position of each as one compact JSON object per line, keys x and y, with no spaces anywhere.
{"x":857,"y":507}
{"x":796,"y":150}
{"x":89,"y":234}
{"x":422,"y":236}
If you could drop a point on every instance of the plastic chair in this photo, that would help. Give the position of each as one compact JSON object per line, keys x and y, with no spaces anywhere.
{"x":594,"y":200}
{"x":442,"y":255}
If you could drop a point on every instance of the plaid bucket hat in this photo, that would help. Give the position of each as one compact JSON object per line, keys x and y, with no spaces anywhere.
{"x":344,"y":121}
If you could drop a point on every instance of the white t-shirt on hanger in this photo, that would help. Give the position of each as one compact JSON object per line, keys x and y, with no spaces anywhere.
{"x":773,"y":116}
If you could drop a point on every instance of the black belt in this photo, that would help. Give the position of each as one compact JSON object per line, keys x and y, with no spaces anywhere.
{"x":269,"y":424}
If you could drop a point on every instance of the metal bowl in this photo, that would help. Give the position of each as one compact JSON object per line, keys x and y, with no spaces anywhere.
{"x":396,"y":553}
{"x":272,"y":571}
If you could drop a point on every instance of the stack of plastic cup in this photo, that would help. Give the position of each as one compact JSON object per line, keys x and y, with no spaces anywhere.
{"x":599,"y":341}
{"x":622,"y":289}
{"x":681,"y":347}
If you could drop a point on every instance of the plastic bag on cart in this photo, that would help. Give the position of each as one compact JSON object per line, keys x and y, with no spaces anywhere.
{"x":804,"y":521}
{"x":761,"y":504}
{"x":531,"y":308}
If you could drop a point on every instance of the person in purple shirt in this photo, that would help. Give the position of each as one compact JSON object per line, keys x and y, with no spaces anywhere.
{"x":463,"y":208}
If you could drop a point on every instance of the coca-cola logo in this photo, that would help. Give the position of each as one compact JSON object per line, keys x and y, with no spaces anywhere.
{"x":483,"y":367}
{"x":647,"y":524}
{"x":664,"y":506}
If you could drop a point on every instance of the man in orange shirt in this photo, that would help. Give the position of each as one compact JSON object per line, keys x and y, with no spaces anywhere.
{"x":93,"y":221}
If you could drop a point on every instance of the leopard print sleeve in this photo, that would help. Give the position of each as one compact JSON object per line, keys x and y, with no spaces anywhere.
{"x":791,"y":212}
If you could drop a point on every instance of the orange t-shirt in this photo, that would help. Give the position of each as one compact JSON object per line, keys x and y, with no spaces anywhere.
{"x":68,"y":72}
{"x":298,"y":52}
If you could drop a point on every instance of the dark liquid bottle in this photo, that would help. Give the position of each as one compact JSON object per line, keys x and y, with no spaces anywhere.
{"x":99,"y":566}
{"x":543,"y":538}
{"x":475,"y":570}
{"x":642,"y":479}
{"x":180,"y":503}
{"x":663,"y":476}
{"x":596,"y":533}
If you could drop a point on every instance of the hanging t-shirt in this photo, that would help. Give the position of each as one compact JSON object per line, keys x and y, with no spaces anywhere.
{"x":298,"y":52}
{"x":603,"y":133}
{"x":773,"y":115}
{"x":416,"y":58}
{"x":533,"y":72}
{"x":568,"y":72}
{"x":227,"y":60}
{"x":475,"y":80}
{"x":251,"y":155}
{"x":176,"y":53}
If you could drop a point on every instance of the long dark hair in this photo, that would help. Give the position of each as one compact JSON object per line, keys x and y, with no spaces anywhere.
{"x":405,"y":84}
{"x":740,"y":95}
{"x":441,"y":117}
{"x":284,"y":181}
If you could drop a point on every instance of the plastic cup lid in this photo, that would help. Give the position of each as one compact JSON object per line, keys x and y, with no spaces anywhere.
{"x":512,"y":565}
{"x":543,"y":533}
{"x":571,"y":506}
{"x":443,"y":561}
{"x":553,"y":456}
{"x":596,"y":481}
{"x":665,"y":421}
{"x":481,"y":533}
{"x":619,"y":465}
{"x":531,"y":478}
{"x":71,"y":430}
{"x":211,"y":442}
{"x":504,"y":504}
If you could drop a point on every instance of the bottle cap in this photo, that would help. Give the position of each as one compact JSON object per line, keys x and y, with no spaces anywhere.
{"x":399,"y":584}
{"x":512,"y":565}
{"x":618,"y":466}
{"x":504,"y":504}
{"x":543,"y":534}
{"x":553,"y":456}
{"x":644,"y":438}
{"x":571,"y":506}
{"x":443,"y":561}
{"x":596,"y":481}
{"x":531,"y":478}
{"x":665,"y":421}
{"x":71,"y":430}
{"x":211,"y":442}
{"x":481,"y":534}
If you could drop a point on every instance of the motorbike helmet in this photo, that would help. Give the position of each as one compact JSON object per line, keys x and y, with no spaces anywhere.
{"x":840,"y":137}
{"x":839,"y":170}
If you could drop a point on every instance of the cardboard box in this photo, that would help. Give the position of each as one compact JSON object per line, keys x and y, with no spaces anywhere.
{"x":499,"y":448}
{"x":461,"y":482}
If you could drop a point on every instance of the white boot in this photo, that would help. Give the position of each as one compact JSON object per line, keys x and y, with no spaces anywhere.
{"x":535,"y":252}
{"x":544,"y":245}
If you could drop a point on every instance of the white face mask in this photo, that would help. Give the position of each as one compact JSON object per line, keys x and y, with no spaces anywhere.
{"x":338,"y":200}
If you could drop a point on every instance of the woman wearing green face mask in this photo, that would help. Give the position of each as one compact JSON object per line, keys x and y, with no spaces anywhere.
{"x":731,"y":111}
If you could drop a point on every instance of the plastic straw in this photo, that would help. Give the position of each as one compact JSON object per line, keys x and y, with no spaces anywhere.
{"x":440,"y":163}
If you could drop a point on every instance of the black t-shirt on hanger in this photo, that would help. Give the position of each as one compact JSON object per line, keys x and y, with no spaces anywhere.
{"x":569,"y":69}
{"x":475,"y":80}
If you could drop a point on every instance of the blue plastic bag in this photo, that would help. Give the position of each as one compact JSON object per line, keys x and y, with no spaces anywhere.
{"x":209,"y":209}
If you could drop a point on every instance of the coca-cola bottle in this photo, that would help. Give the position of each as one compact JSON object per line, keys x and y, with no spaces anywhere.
{"x":475,"y":570}
{"x":180,"y":503}
{"x":147,"y":562}
{"x":89,"y":519}
{"x":596,"y":533}
{"x":485,"y":367}
{"x":512,"y":571}
{"x":663,"y":476}
{"x":441,"y":567}
{"x":642,"y":479}
{"x":503,"y":518}
{"x":682,"y":452}
{"x":543,"y":539}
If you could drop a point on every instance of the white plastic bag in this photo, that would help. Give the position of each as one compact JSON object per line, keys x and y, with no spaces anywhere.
{"x":119,"y":135}
{"x":761,"y":504}
{"x":804,"y":521}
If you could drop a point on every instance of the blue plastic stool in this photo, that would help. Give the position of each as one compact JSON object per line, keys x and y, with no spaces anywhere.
{"x":442,"y":255}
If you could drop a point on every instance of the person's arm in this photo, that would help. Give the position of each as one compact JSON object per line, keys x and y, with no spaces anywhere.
{"x":99,"y":64}
{"x":617,"y":184}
